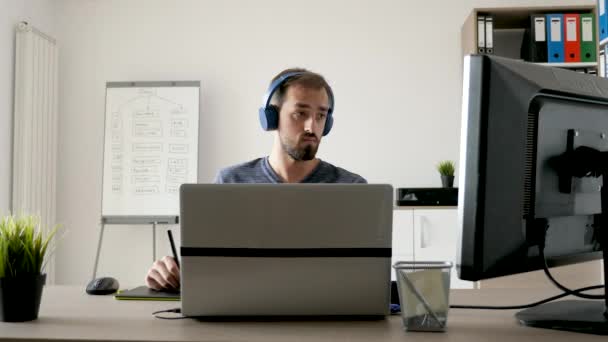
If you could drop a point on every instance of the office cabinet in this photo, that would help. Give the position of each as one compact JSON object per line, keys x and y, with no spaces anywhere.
{"x":427,"y":234}
{"x":403,"y":233}
{"x":436,"y":239}
{"x":431,"y":234}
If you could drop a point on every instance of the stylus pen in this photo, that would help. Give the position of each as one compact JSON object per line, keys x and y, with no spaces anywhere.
{"x":173,"y":247}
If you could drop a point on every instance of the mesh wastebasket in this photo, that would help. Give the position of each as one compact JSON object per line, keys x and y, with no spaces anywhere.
{"x":424,"y":289}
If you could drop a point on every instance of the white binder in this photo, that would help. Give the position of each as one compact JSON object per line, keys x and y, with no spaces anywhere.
{"x":602,"y":64}
{"x":481,"y":34}
{"x":489,"y":23}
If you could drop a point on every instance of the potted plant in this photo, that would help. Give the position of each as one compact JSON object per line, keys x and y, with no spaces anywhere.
{"x":446,"y":170}
{"x":23,"y":247}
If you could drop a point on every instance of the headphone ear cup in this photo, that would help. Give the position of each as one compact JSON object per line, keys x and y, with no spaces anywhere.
{"x":329,"y":122}
{"x":269,"y":118}
{"x":272,"y":117}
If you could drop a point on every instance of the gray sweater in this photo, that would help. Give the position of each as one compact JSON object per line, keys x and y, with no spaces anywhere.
{"x":260,"y":171}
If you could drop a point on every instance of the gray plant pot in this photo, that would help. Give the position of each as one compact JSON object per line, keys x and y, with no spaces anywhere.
{"x":447,"y":181}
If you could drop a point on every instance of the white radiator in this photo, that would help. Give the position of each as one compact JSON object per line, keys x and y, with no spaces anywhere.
{"x":35,"y":128}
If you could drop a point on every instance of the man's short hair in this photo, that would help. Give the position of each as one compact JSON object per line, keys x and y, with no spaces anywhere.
{"x":307,"y":79}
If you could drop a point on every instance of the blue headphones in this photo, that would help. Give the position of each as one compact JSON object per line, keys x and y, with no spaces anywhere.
{"x":269,"y":114}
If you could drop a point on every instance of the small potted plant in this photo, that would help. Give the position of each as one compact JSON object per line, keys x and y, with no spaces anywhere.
{"x":446,"y":170}
{"x":23,"y":247}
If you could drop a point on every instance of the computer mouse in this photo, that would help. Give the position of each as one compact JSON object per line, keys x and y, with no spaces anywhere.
{"x":102,"y":286}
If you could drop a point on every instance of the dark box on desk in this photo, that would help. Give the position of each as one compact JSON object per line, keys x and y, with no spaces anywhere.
{"x":427,"y":196}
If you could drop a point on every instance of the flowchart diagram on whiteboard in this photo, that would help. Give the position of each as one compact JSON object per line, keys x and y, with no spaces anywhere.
{"x":150,"y":147}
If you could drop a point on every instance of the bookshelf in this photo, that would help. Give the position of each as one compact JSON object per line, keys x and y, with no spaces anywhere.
{"x":510,"y":24}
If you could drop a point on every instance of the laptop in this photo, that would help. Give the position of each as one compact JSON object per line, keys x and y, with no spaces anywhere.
{"x":285,"y":249}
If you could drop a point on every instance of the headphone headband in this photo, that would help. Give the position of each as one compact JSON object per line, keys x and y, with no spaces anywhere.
{"x":268,"y":114}
{"x":274,"y":86}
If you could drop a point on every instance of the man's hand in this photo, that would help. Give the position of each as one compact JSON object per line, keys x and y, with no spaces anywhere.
{"x":164,"y":274}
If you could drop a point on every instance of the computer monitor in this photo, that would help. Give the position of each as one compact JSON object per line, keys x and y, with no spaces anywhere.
{"x":522,"y":126}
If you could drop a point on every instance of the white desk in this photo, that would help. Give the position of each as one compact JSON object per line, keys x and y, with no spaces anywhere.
{"x":68,"y":314}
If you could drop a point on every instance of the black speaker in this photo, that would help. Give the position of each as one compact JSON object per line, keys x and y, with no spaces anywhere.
{"x":427,"y":196}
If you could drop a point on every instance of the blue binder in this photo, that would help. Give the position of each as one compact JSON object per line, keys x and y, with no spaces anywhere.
{"x":555,"y":38}
{"x":603,"y":19}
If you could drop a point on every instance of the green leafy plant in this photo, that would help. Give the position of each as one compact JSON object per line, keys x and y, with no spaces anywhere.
{"x":446,"y":168}
{"x":23,"y":245}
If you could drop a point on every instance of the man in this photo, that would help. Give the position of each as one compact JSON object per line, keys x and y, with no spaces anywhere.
{"x":299,"y":107}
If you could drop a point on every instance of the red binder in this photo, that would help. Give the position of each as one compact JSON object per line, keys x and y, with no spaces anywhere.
{"x":572,"y":41}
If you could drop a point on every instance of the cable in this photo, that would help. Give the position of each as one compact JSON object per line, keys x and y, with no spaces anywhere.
{"x":541,"y":254}
{"x":176,"y":310}
{"x":525,"y":306}
{"x":566,"y":290}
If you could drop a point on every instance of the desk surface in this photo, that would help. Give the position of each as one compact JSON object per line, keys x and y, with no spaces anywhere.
{"x":67,"y":313}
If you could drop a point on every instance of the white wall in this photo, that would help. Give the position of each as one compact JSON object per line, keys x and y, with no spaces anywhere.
{"x":394,"y":66}
{"x":40,"y":14}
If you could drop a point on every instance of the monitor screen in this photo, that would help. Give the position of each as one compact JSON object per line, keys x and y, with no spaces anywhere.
{"x":533,"y":162}
{"x":516,"y":117}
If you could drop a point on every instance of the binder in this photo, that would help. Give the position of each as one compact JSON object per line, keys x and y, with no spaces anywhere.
{"x":572,"y":38}
{"x":602,"y":64}
{"x":489,"y":35}
{"x":534,"y":46}
{"x":606,"y":60}
{"x":603,"y":19}
{"x":481,"y":34}
{"x":588,"y":40}
{"x":555,"y":41}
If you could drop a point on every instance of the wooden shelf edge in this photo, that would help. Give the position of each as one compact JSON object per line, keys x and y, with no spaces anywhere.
{"x":571,"y":65}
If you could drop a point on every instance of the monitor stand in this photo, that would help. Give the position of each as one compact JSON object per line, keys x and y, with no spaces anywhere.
{"x":585,"y":316}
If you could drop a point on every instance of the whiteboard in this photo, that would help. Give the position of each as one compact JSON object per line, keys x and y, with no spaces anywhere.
{"x":150,"y":146}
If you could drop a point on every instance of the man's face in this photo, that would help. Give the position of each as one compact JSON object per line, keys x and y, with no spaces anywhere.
{"x":302,"y":120}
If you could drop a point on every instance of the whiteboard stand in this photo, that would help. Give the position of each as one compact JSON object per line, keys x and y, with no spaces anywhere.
{"x":150,"y":148}
{"x":132,"y":220}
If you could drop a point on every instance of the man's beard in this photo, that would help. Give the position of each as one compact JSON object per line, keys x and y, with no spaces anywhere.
{"x":308,"y":152}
